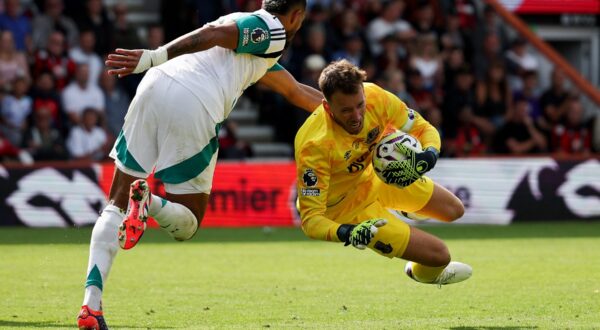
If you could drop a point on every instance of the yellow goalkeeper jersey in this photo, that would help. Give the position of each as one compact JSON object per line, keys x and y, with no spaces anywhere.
{"x":332,"y":164}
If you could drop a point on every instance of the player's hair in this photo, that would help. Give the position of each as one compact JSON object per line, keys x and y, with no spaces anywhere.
{"x":341,"y":76}
{"x":282,"y":7}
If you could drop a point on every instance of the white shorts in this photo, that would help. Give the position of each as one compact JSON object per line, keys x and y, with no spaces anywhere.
{"x":167,"y":130}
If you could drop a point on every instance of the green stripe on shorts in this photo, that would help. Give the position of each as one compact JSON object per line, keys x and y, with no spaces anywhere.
{"x":124,"y":156}
{"x":193,"y":166}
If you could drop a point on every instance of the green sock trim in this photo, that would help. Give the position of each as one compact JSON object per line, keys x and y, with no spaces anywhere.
{"x":94,"y":278}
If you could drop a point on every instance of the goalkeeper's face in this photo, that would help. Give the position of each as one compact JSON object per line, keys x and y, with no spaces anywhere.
{"x":348,"y":110}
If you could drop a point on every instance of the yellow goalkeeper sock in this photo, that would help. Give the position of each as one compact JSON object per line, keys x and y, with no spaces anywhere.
{"x":426,"y":274}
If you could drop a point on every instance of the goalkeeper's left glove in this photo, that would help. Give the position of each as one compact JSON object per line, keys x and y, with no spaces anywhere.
{"x":360,"y":235}
{"x":405,"y":172}
{"x":421,"y":162}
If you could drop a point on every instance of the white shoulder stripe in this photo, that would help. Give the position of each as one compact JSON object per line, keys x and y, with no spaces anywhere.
{"x":276,"y":30}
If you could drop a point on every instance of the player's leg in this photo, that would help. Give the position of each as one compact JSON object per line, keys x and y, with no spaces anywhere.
{"x":103,"y":249}
{"x":429,"y":260}
{"x":179,"y":215}
{"x":429,"y":255}
{"x":443,"y":205}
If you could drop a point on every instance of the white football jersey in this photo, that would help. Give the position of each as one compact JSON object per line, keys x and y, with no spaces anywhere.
{"x":218,"y":76}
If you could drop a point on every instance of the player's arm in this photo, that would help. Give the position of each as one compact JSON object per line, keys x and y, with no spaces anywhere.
{"x":410,"y":121}
{"x":313,"y":173}
{"x":282,"y":82}
{"x":127,"y":61}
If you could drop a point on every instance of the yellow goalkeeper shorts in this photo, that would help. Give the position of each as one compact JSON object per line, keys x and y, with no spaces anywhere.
{"x":391,"y":239}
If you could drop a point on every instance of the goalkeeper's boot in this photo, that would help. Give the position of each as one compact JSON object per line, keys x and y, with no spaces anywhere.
{"x":134,"y":225}
{"x":453,"y":273}
{"x":89,"y":319}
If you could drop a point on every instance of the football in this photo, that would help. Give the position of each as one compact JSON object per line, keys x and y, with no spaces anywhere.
{"x":385,"y":151}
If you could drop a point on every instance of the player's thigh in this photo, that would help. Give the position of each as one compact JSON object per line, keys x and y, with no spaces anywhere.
{"x":443,"y":205}
{"x":392,"y":238}
{"x":136,"y":148}
{"x":426,"y":249}
{"x":409,"y":199}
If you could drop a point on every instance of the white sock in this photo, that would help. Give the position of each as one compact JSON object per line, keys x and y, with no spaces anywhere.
{"x":103,"y":249}
{"x":175,"y":218}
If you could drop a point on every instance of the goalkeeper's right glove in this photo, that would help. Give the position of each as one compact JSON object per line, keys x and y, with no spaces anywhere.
{"x":360,"y":235}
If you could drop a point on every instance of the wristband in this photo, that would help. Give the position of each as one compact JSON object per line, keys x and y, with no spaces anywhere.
{"x":151,"y":58}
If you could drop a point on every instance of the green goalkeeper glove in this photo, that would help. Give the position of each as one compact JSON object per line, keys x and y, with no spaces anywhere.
{"x":360,"y":235}
{"x":407,"y":171}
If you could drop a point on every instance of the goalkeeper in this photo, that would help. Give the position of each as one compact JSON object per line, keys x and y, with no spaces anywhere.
{"x":340,"y":197}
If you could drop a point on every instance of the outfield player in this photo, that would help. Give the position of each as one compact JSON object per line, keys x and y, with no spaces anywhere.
{"x":340,"y":197}
{"x":173,"y":122}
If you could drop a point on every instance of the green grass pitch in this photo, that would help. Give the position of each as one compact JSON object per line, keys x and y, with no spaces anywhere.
{"x":526,"y":276}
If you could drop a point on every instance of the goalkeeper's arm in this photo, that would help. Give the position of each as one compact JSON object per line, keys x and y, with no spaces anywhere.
{"x":360,"y":235}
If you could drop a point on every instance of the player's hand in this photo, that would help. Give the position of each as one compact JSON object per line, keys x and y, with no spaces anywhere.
{"x":407,"y":171}
{"x":124,"y":61}
{"x":360,"y":235}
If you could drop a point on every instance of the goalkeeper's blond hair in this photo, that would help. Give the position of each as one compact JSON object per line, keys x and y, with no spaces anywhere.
{"x":341,"y":76}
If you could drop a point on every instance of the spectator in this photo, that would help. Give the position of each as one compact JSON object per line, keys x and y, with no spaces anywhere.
{"x":491,"y":24}
{"x":389,"y":22}
{"x":461,"y":97}
{"x":80,"y":95}
{"x":18,"y":24}
{"x":425,"y":18}
{"x":453,"y":62}
{"x":14,"y":111}
{"x":574,"y":136}
{"x":489,"y":52}
{"x":43,"y":141}
{"x":393,"y":56}
{"x":347,"y":25}
{"x":53,"y":19}
{"x":452,"y":37}
{"x":551,"y":100}
{"x":96,"y":19}
{"x":493,"y":99}
{"x":313,"y":65}
{"x":519,"y":135}
{"x":46,"y":97}
{"x":530,"y":93}
{"x":116,"y":101}
{"x":125,"y":35}
{"x":393,"y":82}
{"x":519,"y":61}
{"x":54,"y":59}
{"x":84,"y":53}
{"x":13,"y":63}
{"x":156,"y":37}
{"x":87,"y":141}
{"x":427,"y":60}
{"x":352,"y":51}
{"x":315,"y":44}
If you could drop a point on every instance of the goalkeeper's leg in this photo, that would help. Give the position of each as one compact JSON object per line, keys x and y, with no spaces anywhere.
{"x":429,"y":260}
{"x":442,"y":205}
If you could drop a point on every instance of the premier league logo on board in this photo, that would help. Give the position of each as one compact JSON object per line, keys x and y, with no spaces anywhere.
{"x":310,"y":178}
{"x":372,"y":135}
{"x":258,"y":35}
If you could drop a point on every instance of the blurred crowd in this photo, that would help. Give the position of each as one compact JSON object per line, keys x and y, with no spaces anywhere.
{"x":452,"y":60}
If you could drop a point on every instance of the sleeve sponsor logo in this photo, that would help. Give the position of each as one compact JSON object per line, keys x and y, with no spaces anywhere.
{"x":246,"y":36}
{"x":258,"y":35}
{"x":309,"y":178}
{"x":310,"y":192}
